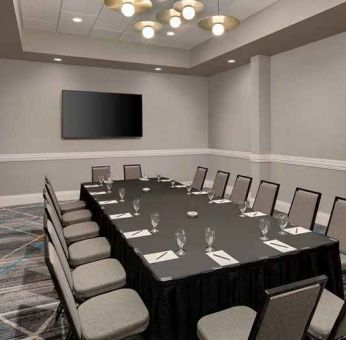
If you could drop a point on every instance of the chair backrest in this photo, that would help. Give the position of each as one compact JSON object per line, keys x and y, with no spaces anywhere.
{"x":266,"y":196}
{"x":51,"y":193}
{"x":64,"y":290}
{"x":337,"y":222}
{"x":304,"y":208}
{"x":287,"y":311}
{"x":199,"y":178}
{"x":220,"y":183}
{"x":241,"y":189}
{"x":100,"y":171}
{"x":339,"y":328}
{"x":132,"y":171}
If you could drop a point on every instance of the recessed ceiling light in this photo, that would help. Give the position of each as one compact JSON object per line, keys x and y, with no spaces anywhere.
{"x":170,"y":33}
{"x":57,"y":59}
{"x":158,"y":69}
{"x":231,"y":61}
{"x":77,"y":19}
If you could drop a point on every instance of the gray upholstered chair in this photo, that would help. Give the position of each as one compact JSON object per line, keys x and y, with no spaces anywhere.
{"x":71,"y":217}
{"x":114,"y":315}
{"x":285,"y":315}
{"x":329,"y":320}
{"x":132,"y":171}
{"x":220,"y":183}
{"x":98,"y":172}
{"x":266,"y":196}
{"x":80,"y":252}
{"x":304,"y":207}
{"x":199,"y":178}
{"x":337,"y":227}
{"x":78,"y":231}
{"x":92,"y":278}
{"x":64,"y":206}
{"x":241,"y":189}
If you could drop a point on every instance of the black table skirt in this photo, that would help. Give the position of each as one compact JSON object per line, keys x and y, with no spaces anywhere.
{"x":176,"y":306}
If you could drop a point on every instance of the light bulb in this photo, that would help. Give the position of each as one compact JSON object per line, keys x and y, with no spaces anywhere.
{"x":148,"y":32}
{"x":188,"y":12}
{"x":175,"y":22}
{"x":218,"y":29}
{"x":128,"y":9}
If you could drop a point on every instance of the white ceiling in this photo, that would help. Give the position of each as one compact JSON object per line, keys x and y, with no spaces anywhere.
{"x":102,"y":22}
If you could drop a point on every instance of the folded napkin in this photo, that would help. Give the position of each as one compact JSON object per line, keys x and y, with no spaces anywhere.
{"x":165,"y":180}
{"x":199,"y":193}
{"x":280,"y":246}
{"x":108,"y":202}
{"x":222,"y":258}
{"x":95,"y":193}
{"x":137,"y":233}
{"x":254,"y":214}
{"x":222,"y":201}
{"x":161,"y":256}
{"x":297,"y":230}
{"x":120,"y":216}
{"x":92,"y":185}
{"x":180,"y":186}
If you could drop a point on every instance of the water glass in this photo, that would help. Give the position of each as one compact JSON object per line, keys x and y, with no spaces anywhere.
{"x":242,"y":208}
{"x":211,"y":196}
{"x":181,"y":240}
{"x":155,"y":220}
{"x":109,"y":183}
{"x":264,"y":225}
{"x":188,"y":187}
{"x":101,"y":179}
{"x":136,"y":205}
{"x":283,"y":221}
{"x":172,"y":183}
{"x":209,"y":238}
{"x":158,"y":177}
{"x":122,"y":193}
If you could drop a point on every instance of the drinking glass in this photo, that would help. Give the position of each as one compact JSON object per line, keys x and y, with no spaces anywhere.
{"x":158,"y":177}
{"x":181,"y":240}
{"x":155,"y":220}
{"x":172,"y":183}
{"x":122,"y":193}
{"x":242,"y":208}
{"x":283,"y":221}
{"x":101,"y":179}
{"x":209,"y":238}
{"x":109,"y":183}
{"x":264,"y":225}
{"x":188,"y":187}
{"x":247,"y":204}
{"x":211,"y":196}
{"x":136,"y":205}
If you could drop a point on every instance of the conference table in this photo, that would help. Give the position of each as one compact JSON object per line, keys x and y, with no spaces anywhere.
{"x":179,"y":291}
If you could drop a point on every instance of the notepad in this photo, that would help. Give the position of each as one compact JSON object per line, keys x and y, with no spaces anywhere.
{"x":297,"y":230}
{"x":165,"y":180}
{"x":222,"y":201}
{"x":144,"y":179}
{"x":280,"y":246}
{"x":161,"y":256}
{"x":199,"y":193}
{"x":222,"y":258}
{"x":108,"y":202}
{"x":92,"y":185}
{"x":254,"y":214}
{"x":180,"y":186}
{"x":120,"y":216}
{"x":98,"y":193}
{"x":137,"y":233}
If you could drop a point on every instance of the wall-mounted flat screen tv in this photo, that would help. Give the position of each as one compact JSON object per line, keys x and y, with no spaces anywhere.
{"x":96,"y":115}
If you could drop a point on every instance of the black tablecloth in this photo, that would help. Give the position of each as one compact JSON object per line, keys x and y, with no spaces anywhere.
{"x":179,"y":292}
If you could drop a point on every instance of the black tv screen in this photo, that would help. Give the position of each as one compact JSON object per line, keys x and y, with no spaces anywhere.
{"x":96,"y":115}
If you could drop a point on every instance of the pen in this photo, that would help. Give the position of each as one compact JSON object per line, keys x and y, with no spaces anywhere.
{"x":162,"y":255}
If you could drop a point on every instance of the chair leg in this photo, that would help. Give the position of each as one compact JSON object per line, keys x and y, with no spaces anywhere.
{"x":70,"y":334}
{"x":58,"y":312}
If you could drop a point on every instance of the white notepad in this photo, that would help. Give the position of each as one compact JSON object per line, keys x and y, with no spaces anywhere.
{"x":92,"y":185}
{"x":180,"y":186}
{"x":108,"y":202}
{"x":222,"y":258}
{"x":222,"y":201}
{"x":144,"y":179}
{"x":137,"y":233}
{"x":199,"y":193}
{"x":98,"y":193}
{"x":280,"y":246}
{"x":254,"y":214}
{"x":165,"y":180}
{"x":297,"y":230}
{"x":161,"y":256}
{"x":120,"y":216}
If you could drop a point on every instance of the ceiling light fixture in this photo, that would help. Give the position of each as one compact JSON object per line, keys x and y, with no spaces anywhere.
{"x":129,"y":7}
{"x":148,"y":28}
{"x":57,"y":59}
{"x":171,"y":17}
{"x":231,"y":61}
{"x":175,"y":22}
{"x":188,"y":8}
{"x":77,"y":19}
{"x":158,"y":69}
{"x":218,"y":24}
{"x":170,"y":33}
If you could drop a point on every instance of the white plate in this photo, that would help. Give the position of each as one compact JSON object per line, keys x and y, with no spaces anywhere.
{"x":192,"y":213}
{"x":146,"y":189}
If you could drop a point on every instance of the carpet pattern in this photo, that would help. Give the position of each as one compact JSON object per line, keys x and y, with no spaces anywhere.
{"x":27,"y":298}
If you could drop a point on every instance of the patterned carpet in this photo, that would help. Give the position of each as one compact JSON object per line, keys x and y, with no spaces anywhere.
{"x":27,"y":298}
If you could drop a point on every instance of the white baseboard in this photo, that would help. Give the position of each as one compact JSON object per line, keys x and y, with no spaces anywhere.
{"x":11,"y":200}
